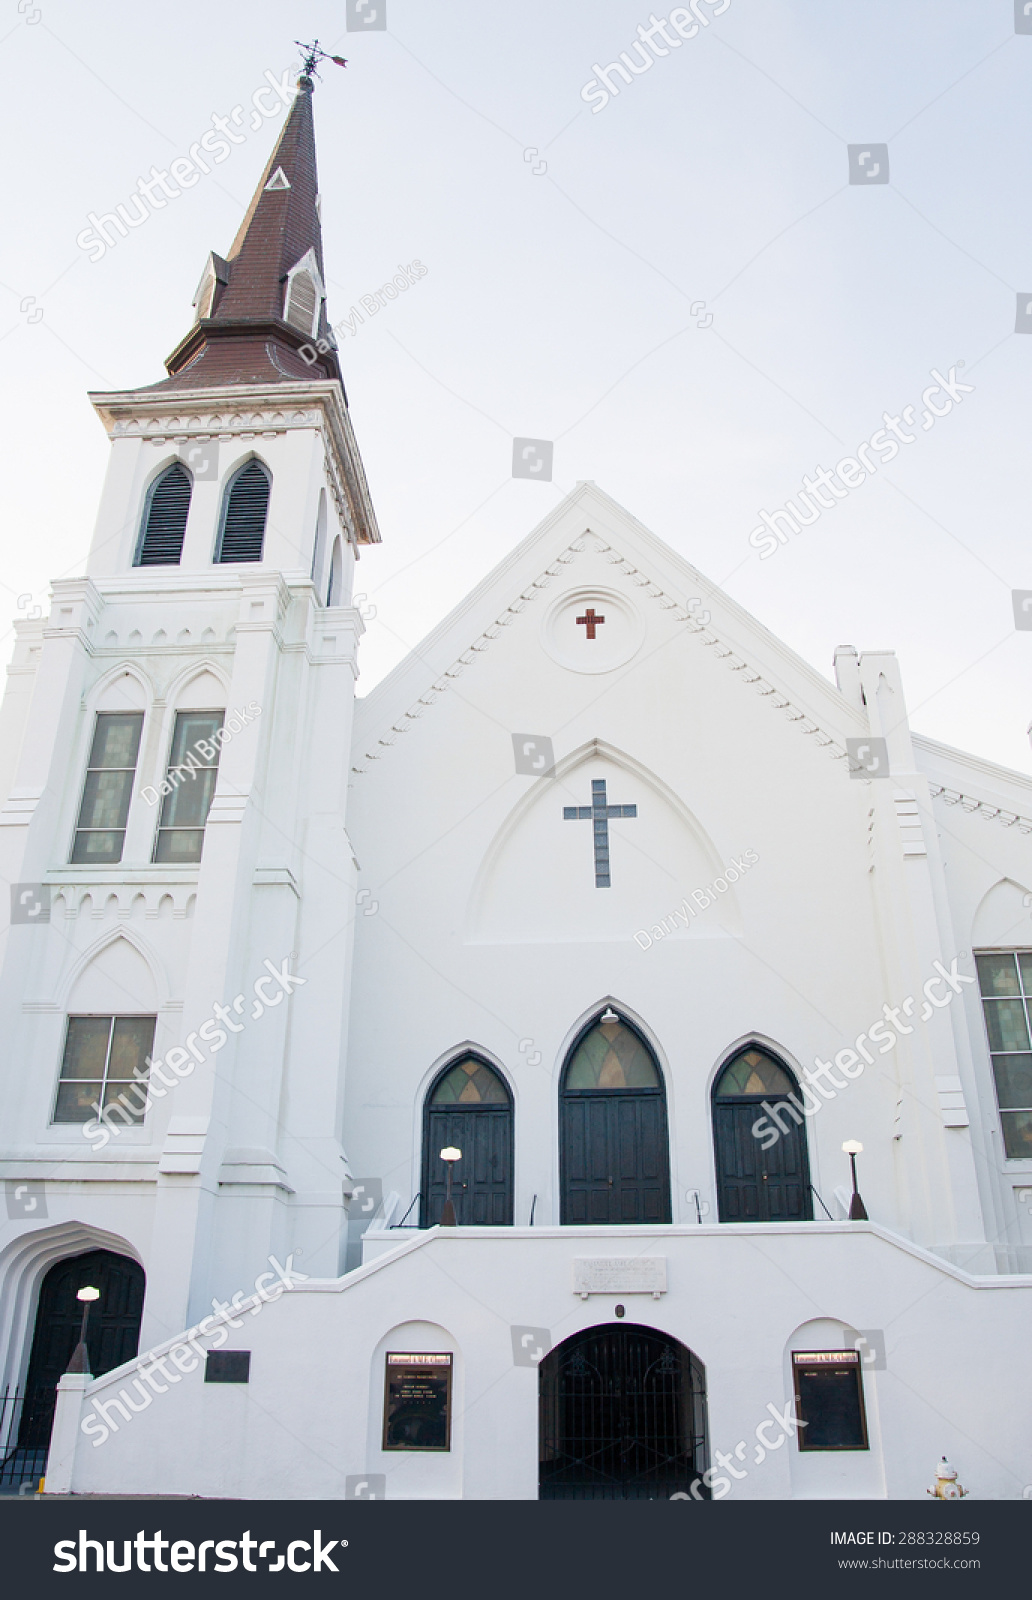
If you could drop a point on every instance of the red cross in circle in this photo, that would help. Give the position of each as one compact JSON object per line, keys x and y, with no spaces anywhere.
{"x":590,"y":621}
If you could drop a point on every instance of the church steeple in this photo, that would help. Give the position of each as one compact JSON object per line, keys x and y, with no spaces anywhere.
{"x":266,"y":300}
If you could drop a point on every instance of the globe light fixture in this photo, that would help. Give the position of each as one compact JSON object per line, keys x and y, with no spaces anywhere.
{"x":449,"y":1155}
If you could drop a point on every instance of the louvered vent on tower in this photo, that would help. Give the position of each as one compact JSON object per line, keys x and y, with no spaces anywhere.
{"x":302,"y":302}
{"x":243,"y":522}
{"x":164,"y":523}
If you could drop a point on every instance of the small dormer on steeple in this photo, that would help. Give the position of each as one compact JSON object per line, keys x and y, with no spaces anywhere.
{"x":304,"y":295}
{"x":214,"y":279}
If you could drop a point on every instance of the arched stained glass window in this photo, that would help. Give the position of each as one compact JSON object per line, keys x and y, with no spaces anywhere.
{"x":164,"y":521}
{"x":753,"y":1071}
{"x":470,"y":1083}
{"x":612,"y":1056}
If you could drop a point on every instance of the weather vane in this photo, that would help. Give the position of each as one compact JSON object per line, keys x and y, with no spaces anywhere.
{"x":313,"y":55}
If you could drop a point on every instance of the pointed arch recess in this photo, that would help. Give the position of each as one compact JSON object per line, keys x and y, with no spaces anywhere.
{"x":593,"y":749}
{"x":142,"y":949}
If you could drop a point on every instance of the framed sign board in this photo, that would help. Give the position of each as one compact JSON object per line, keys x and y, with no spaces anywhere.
{"x":417,"y":1400}
{"x":829,"y":1399}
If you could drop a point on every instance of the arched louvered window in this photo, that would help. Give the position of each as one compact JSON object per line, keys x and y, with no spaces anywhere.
{"x":164,"y":520}
{"x":302,"y":302}
{"x":243,"y":516}
{"x":336,"y":583}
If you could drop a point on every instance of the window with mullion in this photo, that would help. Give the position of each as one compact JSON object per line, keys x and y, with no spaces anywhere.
{"x":1005,"y":980}
{"x":189,"y":786}
{"x":102,"y":1057}
{"x":100,"y":830}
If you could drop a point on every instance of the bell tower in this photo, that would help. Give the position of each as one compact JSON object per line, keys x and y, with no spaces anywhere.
{"x":182,"y":726}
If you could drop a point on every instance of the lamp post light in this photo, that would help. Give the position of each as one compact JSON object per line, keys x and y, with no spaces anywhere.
{"x":80,"y":1361}
{"x":857,"y":1209}
{"x":449,"y":1155}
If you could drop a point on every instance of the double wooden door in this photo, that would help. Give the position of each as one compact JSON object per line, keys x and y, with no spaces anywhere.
{"x":754,"y":1184}
{"x":482,"y":1180}
{"x":614,"y":1159}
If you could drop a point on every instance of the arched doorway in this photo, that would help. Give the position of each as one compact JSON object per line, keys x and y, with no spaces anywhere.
{"x":622,"y":1416}
{"x":763,"y":1176}
{"x":614,"y":1158}
{"x":113,"y":1333}
{"x":470,"y":1107}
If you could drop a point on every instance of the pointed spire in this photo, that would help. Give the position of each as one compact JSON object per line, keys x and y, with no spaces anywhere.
{"x":260,"y":306}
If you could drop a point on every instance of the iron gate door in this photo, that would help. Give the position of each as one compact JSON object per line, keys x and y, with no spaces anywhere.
{"x":622,"y":1417}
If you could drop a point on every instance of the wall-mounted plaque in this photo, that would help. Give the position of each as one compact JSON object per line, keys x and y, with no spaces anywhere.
{"x":619,"y":1275}
{"x":417,"y":1400}
{"x":829,"y":1399}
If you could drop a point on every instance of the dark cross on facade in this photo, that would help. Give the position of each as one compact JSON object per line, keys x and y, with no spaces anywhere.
{"x":590,"y":620}
{"x":599,"y":813}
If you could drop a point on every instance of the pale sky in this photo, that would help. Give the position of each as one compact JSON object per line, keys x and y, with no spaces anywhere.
{"x":557,"y":303}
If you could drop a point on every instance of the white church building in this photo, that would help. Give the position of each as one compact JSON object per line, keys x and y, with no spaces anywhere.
{"x":603,"y":892}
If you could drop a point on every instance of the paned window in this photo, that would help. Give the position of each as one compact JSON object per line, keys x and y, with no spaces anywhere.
{"x":101,"y":1055}
{"x":100,"y":830}
{"x":188,"y":787}
{"x":1005,"y":979}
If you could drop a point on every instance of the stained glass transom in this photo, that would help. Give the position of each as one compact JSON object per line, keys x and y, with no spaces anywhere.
{"x":612,"y":1056}
{"x":753,"y":1072}
{"x":470,"y":1083}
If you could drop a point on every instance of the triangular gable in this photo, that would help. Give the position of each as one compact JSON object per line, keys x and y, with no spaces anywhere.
{"x":588,"y":520}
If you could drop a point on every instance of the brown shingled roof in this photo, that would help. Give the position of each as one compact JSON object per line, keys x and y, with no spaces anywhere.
{"x":245,"y":338}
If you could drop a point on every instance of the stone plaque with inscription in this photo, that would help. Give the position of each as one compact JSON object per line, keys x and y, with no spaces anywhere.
{"x":619,"y":1275}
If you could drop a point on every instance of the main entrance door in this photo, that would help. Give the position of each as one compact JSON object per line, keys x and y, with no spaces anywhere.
{"x":468,"y":1107}
{"x":622,"y":1417}
{"x":757,"y":1184}
{"x":113,"y":1333}
{"x":613,"y":1144}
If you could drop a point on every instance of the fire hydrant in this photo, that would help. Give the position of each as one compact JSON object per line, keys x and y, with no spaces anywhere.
{"x":946,"y":1486}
